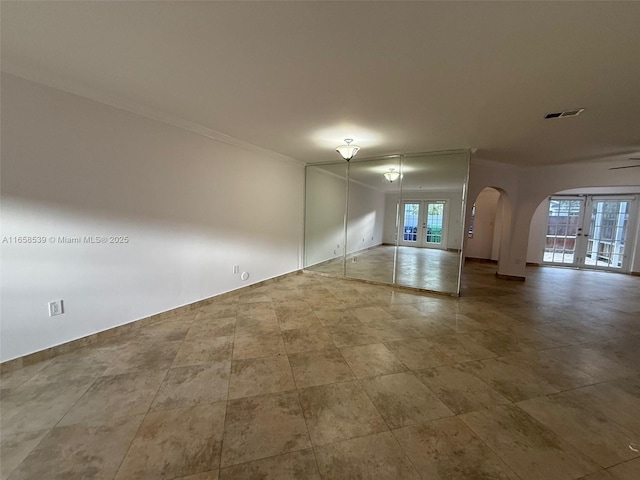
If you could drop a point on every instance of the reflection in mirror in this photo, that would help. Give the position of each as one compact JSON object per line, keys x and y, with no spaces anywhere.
{"x":371,"y":253}
{"x":431,"y":220}
{"x":404,"y":219}
{"x":324,"y":217}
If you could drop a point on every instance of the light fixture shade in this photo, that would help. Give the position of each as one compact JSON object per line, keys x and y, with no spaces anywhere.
{"x":391,"y":175}
{"x":348,"y":151}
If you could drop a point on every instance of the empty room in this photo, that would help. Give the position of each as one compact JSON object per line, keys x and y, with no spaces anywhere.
{"x":319,"y":240}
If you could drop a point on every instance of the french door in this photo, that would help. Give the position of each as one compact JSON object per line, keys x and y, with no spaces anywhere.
{"x":590,"y":231}
{"x":423,"y":223}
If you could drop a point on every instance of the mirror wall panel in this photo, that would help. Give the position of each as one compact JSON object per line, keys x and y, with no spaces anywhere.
{"x":431,"y":220}
{"x":371,"y":253}
{"x":325,"y":203}
{"x":407,"y":232}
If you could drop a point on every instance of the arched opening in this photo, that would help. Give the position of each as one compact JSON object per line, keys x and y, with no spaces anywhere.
{"x":488,"y":220}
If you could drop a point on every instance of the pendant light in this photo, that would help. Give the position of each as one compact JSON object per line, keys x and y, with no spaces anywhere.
{"x":348,"y":151}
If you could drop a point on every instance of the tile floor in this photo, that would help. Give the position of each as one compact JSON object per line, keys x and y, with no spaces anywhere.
{"x":313,"y":377}
{"x":425,"y":268}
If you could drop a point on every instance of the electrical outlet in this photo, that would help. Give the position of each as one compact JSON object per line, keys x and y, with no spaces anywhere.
{"x":236,"y":269}
{"x":56,"y":308}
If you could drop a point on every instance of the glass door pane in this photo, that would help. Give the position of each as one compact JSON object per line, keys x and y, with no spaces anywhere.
{"x":411,"y":223}
{"x":563,"y":227}
{"x":607,"y":233}
{"x":434,"y":237}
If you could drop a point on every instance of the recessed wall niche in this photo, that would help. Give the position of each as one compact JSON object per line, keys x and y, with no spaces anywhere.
{"x":403,"y":228}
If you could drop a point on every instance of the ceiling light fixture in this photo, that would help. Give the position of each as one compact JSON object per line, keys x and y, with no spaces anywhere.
{"x":348,"y":151}
{"x":391,"y":175}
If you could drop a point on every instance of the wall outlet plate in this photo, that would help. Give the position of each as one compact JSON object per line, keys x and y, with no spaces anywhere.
{"x":56,"y":308}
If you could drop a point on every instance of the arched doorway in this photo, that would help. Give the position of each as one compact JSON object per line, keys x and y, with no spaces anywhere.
{"x":488,"y":221}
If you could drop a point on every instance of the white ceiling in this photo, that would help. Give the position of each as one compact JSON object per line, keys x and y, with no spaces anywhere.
{"x":298,"y":77}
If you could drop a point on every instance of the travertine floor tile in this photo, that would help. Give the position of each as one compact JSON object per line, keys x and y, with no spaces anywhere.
{"x":167,"y":330}
{"x":555,"y":373}
{"x":254,"y":296}
{"x":289,"y":312}
{"x":461,"y":323}
{"x":140,"y":356}
{"x":257,"y":325}
{"x":306,"y":340}
{"x":370,"y":360}
{"x":212,"y":326}
{"x":601,"y":475}
{"x":626,"y":471}
{"x":174,"y":443}
{"x":339,"y":411}
{"x":115,"y":396}
{"x":372,"y":457}
{"x":263,"y":426}
{"x":257,"y":376}
{"x":210,"y":475}
{"x":79,"y":451}
{"x":81,"y":364}
{"x":618,"y":400}
{"x":462,"y":347}
{"x":499,"y":343}
{"x":336,"y":317}
{"x":319,"y":368}
{"x":419,"y":353}
{"x":590,"y":360}
{"x":401,"y":311}
{"x":352,"y":334}
{"x":256,"y":308}
{"x":394,"y":330}
{"x":460,"y":390}
{"x":33,"y":407}
{"x":202,"y":350}
{"x":528,"y":447}
{"x":370,"y":314}
{"x":510,"y":379}
{"x":193,"y":385}
{"x":300,"y":465}
{"x":595,"y":436}
{"x":255,"y":346}
{"x":15,"y":447}
{"x":446,"y":449}
{"x":15,"y":378}
{"x":403,"y":400}
{"x":219,"y":310}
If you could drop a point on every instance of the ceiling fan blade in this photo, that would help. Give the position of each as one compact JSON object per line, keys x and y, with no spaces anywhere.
{"x":628,"y":166}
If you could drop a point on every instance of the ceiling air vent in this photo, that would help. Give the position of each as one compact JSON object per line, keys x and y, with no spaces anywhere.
{"x":566,"y":113}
